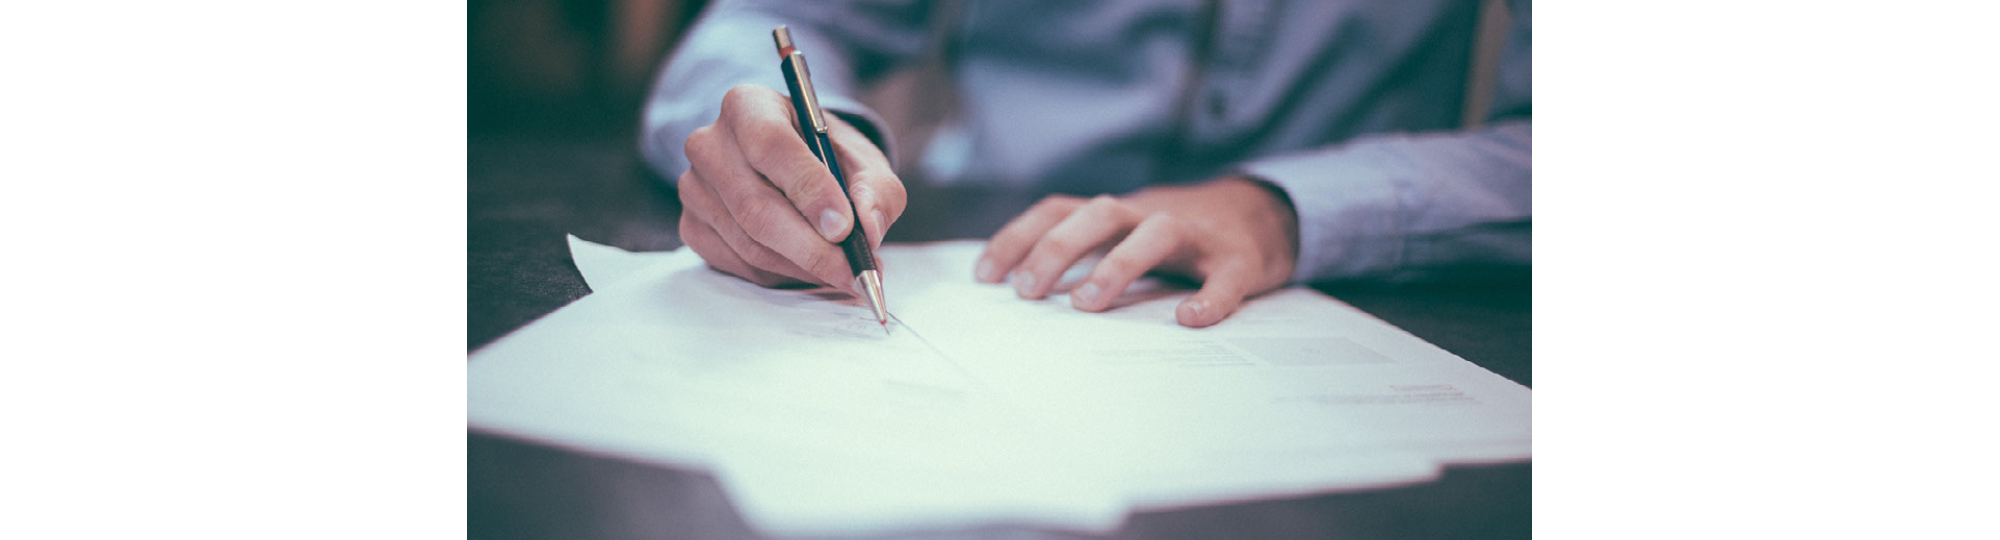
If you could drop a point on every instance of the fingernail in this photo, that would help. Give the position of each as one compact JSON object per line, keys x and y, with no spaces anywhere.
{"x":1087,"y":293}
{"x":985,"y":271}
{"x":1194,"y":308}
{"x":829,"y":225}
{"x":1023,"y":283}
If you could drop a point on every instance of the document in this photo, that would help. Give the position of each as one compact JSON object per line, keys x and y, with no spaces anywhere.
{"x":979,"y":407}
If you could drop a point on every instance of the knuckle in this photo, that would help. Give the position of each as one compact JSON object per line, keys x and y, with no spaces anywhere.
{"x":1117,"y":268}
{"x":1054,"y":204}
{"x":699,"y":141}
{"x":738,"y":95}
{"x":732,"y":106}
{"x":1003,"y":249}
{"x":740,"y":110}
{"x":862,"y":196}
{"x":684,"y":187}
{"x":1102,"y":206}
{"x":1008,"y":238}
{"x":1056,"y":245}
{"x":766,"y":143}
{"x":809,"y":179}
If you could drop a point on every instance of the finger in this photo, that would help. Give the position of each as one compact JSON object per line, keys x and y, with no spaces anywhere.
{"x":1155,"y":240}
{"x":762,"y":213}
{"x":879,"y":199}
{"x":697,"y":201}
{"x":760,"y":120}
{"x":1012,"y":243}
{"x":878,"y":195}
{"x":1221,"y":293}
{"x":712,"y":160}
{"x":1096,"y":223}
{"x":705,"y":242}
{"x":767,"y":219}
{"x":700,"y":201}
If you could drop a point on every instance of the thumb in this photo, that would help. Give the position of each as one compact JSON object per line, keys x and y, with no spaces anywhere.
{"x":1218,"y":298}
{"x":879,"y":200}
{"x":878,"y":195}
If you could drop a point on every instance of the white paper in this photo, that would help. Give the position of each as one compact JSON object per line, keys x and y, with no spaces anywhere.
{"x":977,"y":406}
{"x":603,"y":265}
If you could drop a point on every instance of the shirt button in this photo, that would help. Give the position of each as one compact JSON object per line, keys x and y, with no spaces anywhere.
{"x":1217,"y":105}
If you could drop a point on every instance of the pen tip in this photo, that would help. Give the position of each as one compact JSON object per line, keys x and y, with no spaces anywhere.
{"x":870,"y":285}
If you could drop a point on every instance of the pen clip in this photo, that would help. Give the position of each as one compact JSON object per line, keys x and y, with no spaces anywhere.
{"x":796,"y":62}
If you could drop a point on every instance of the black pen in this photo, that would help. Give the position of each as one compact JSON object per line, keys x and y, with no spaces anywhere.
{"x":813,"y":127}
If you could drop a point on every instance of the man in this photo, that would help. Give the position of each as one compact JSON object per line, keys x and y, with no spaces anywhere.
{"x":1250,"y":144}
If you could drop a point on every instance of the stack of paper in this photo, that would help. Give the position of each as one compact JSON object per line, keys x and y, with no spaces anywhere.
{"x":977,"y":406}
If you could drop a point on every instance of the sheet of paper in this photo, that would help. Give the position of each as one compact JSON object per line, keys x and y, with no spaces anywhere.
{"x":603,"y":265}
{"x":1177,"y":414}
{"x":978,"y":406}
{"x":798,"y":401}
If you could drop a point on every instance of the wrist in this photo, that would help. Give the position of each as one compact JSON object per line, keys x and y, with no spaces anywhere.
{"x":1274,"y":216}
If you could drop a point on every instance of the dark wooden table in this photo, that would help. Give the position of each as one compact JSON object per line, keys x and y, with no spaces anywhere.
{"x":524,"y":194}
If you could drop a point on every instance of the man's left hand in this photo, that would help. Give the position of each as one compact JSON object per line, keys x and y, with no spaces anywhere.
{"x":1235,"y":236}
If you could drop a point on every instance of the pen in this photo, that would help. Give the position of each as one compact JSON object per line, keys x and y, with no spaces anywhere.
{"x":813,"y":128}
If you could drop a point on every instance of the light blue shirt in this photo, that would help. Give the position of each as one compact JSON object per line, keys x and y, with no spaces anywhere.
{"x":1353,"y":109}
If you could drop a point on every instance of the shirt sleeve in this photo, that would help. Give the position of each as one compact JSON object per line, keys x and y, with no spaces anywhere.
{"x":1410,"y":206}
{"x":845,"y":46}
{"x":1400,"y":206}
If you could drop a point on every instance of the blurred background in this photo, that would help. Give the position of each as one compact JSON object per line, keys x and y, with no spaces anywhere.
{"x":569,"y":68}
{"x":575,"y":74}
{"x":553,"y":90}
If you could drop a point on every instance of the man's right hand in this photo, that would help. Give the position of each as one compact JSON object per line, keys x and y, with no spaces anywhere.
{"x":756,"y":203}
